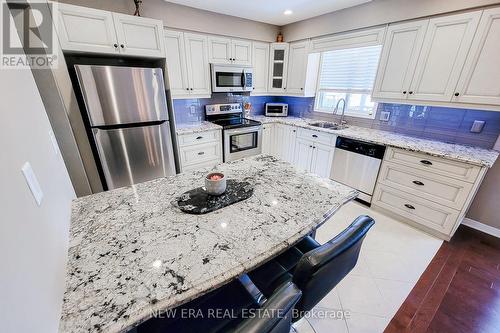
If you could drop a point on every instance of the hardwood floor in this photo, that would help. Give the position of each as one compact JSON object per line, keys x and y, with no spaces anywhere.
{"x":458,"y":292}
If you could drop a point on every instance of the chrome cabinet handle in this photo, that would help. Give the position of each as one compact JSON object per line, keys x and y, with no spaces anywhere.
{"x":409,"y":206}
{"x":201,"y":153}
{"x":198,"y":138}
{"x":426,"y":162}
{"x":417,"y":182}
{"x":314,"y":136}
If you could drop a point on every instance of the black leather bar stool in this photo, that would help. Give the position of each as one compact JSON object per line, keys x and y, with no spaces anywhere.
{"x":234,"y":303}
{"x":315,"y":269}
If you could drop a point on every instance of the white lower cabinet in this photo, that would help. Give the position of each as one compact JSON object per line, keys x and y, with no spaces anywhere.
{"x":199,"y":150}
{"x":314,"y":152}
{"x":322,"y":159}
{"x":268,"y":139}
{"x":431,"y":193}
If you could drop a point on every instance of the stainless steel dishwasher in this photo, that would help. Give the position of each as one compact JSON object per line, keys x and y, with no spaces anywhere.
{"x":356,"y":164}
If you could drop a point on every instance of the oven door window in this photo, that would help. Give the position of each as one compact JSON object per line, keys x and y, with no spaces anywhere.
{"x":241,"y":142}
{"x":226,"y":79}
{"x":274,"y":109}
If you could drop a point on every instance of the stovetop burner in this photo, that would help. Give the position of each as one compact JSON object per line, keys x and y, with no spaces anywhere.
{"x":228,"y":116}
{"x":235,"y":122}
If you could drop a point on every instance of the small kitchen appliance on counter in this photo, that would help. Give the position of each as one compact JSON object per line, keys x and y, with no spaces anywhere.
{"x":276,"y":109}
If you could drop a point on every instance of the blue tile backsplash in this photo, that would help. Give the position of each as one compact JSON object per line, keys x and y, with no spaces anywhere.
{"x":431,"y":122}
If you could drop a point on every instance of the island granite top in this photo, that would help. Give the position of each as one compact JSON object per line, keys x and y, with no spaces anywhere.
{"x":458,"y":152}
{"x":132,"y":251}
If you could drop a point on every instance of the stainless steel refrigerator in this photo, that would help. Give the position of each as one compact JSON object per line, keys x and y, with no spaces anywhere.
{"x":128,"y":116}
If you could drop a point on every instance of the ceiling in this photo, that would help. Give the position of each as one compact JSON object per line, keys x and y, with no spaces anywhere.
{"x":271,"y":11}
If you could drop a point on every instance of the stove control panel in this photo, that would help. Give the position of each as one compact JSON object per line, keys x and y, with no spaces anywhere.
{"x":216,"y":109}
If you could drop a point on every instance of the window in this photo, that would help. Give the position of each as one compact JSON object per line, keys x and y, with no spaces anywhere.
{"x":350,"y":74}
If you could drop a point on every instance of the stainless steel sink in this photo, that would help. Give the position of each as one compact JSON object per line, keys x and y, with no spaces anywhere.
{"x":332,"y":126}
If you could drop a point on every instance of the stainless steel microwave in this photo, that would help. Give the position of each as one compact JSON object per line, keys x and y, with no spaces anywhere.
{"x":231,"y":78}
{"x":276,"y":109}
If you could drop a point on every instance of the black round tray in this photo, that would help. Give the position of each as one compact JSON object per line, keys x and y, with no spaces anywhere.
{"x":198,"y":201}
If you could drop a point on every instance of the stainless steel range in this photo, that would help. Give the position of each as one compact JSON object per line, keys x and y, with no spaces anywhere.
{"x":241,"y":137}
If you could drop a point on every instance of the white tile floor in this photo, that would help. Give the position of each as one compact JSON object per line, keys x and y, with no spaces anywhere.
{"x":392,"y":258}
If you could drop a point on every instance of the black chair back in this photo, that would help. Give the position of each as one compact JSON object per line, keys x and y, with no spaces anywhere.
{"x":321,"y":269}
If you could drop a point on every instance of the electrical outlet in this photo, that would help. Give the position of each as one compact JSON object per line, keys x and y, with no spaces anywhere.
{"x":192,"y":109}
{"x":477,"y":126}
{"x":385,"y":115}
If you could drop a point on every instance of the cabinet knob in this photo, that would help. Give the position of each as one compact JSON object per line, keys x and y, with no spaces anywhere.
{"x":199,"y":138}
{"x":201,"y":153}
{"x":418,"y":182}
{"x":314,"y":136}
{"x":115,"y":45}
{"x":310,"y":146}
{"x":404,"y":92}
{"x":187,"y":88}
{"x":409,"y":206}
{"x":190,"y":88}
{"x":122,"y":46}
{"x":457,"y":94}
{"x":410,"y":92}
{"x":426,"y":162}
{"x":284,"y":87}
{"x":301,"y":88}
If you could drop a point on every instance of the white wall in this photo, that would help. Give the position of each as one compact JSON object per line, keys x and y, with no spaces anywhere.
{"x":183,"y":17}
{"x":375,"y":13}
{"x":33,"y":239}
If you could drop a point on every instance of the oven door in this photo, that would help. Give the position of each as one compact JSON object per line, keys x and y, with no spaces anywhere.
{"x":242,"y":142}
{"x":231,"y":78}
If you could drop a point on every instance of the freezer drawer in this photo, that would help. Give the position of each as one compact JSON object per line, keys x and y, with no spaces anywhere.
{"x":135,"y":154}
{"x":116,"y":95}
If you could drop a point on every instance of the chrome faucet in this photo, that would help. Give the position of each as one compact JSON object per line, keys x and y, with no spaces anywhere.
{"x":341,"y":124}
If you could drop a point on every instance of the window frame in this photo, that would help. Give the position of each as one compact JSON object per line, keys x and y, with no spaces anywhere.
{"x":348,"y":92}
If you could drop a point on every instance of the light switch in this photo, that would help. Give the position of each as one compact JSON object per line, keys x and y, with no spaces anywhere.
{"x":477,"y":126}
{"x":192,"y":109}
{"x":33,"y":183}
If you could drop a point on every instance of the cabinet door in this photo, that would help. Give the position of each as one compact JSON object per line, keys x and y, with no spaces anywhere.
{"x":84,"y":29}
{"x":279,"y":141}
{"x":480,"y":78}
{"x":139,"y":36}
{"x":322,"y":158}
{"x":297,"y":67}
{"x":197,"y":64}
{"x":278,"y":67}
{"x":289,"y":143}
{"x":303,"y":154}
{"x":260,"y":60}
{"x":267,"y":139}
{"x":241,"y":52}
{"x":177,"y":77}
{"x":219,"y":50}
{"x":399,"y":57}
{"x":446,"y":44}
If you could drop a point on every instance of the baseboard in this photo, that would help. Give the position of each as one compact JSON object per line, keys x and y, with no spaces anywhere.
{"x":481,"y":227}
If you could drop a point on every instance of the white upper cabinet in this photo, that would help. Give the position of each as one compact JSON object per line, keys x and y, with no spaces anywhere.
{"x":480,"y":78}
{"x":139,"y":36}
{"x":219,"y":50}
{"x":197,"y":64}
{"x":84,"y":29}
{"x":229,"y":51}
{"x":399,"y":58}
{"x":297,"y":66}
{"x":278,"y":67}
{"x":176,"y":73}
{"x":260,"y":59}
{"x":443,"y":54}
{"x":242,"y":52}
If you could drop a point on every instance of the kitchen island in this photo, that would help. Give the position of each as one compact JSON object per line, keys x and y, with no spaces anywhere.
{"x":132,"y":251}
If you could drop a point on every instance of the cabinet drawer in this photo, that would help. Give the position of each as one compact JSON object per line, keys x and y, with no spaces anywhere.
{"x":438,"y":165}
{"x":326,"y":138}
{"x":200,"y":153}
{"x":199,"y":138}
{"x":436,"y":188}
{"x":421,"y":211}
{"x":199,"y":166}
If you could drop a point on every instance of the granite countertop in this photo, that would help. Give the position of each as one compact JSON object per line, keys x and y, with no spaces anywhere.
{"x":463,"y":153}
{"x":201,"y":126}
{"x":132,"y":251}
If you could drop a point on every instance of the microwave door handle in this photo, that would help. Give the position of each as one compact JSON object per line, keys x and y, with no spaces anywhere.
{"x":243,"y":80}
